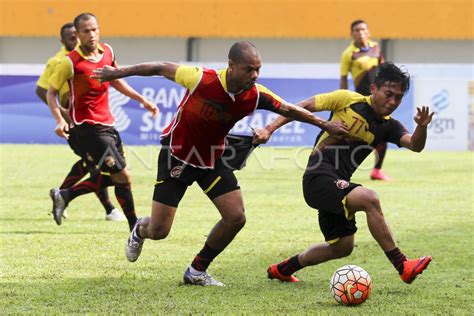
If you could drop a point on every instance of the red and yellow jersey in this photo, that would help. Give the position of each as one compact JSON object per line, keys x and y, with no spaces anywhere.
{"x":207,"y":113}
{"x":44,"y":80}
{"x":340,"y":156}
{"x":361,"y":64}
{"x":89,"y":98}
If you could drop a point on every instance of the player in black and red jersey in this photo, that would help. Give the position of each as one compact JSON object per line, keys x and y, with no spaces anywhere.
{"x":99,"y":143}
{"x":194,"y":143}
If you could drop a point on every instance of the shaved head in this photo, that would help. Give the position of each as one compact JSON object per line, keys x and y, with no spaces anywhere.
{"x":242,"y":51}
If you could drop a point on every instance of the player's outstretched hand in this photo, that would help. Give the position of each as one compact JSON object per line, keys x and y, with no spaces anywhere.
{"x":423,"y":116}
{"x":150,"y":106}
{"x":107,"y":73}
{"x":260,"y":136}
{"x":62,"y":129}
{"x":336,"y":128}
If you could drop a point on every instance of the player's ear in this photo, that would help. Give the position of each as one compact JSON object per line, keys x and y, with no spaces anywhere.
{"x":231,"y":64}
{"x":373,"y":88}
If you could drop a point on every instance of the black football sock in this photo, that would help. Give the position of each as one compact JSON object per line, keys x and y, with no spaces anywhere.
{"x":289,"y":266}
{"x":204,"y":258}
{"x":381,"y":150}
{"x":87,"y":186}
{"x":103,"y":193}
{"x":123,"y":193}
{"x":397,"y":258}
{"x":77,"y":172}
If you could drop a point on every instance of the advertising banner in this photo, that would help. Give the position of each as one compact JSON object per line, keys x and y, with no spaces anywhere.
{"x":449,"y":98}
{"x":25,"y":119}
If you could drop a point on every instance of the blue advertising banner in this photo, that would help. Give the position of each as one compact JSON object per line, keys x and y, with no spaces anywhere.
{"x":25,"y":119}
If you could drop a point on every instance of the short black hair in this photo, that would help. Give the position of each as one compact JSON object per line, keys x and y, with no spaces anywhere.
{"x":83,"y":16}
{"x":357,"y":22}
{"x":237,"y":52}
{"x":65,"y":27}
{"x":388,"y":71}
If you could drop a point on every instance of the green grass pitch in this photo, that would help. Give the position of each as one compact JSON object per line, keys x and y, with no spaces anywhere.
{"x":80,"y":267}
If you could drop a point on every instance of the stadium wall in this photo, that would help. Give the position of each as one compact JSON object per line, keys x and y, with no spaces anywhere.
{"x":401,"y":19}
{"x":132,"y":50}
{"x":24,"y":119}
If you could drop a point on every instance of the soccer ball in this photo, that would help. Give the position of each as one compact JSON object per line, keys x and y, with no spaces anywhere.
{"x":350,"y":285}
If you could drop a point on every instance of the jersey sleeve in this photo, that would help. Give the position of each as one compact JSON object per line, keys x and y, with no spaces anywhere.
{"x":336,"y":100}
{"x":62,"y":73}
{"x":395,"y":132}
{"x":188,"y":76}
{"x":346,"y":60}
{"x":268,"y":100}
{"x":45,"y":77}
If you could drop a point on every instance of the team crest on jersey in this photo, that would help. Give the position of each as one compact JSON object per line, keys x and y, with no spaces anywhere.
{"x":109,"y":161}
{"x":176,"y":171}
{"x":342,"y":184}
{"x":89,"y":157}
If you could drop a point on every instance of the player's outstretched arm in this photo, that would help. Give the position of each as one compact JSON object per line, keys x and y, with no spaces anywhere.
{"x":123,"y":87}
{"x":300,"y":112}
{"x":416,"y":141}
{"x":159,"y":68}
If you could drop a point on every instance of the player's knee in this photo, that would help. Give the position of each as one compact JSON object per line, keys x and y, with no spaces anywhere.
{"x":346,"y":251}
{"x":157,"y":234}
{"x":372,"y":202}
{"x":126,"y":175}
{"x":237,"y":220}
{"x":121,"y":177}
{"x":343,"y":248}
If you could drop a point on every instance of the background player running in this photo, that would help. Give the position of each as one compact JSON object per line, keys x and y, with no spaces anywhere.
{"x":79,"y":169}
{"x":99,"y":142}
{"x":361,"y":59}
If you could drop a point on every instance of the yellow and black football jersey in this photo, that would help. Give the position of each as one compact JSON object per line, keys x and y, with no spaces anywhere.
{"x":340,"y":156}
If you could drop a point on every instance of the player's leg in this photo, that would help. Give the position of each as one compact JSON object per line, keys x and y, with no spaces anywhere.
{"x":122,"y":183}
{"x":166,"y":197}
{"x":77,"y":172}
{"x":167,"y":194}
{"x":327,"y":194}
{"x":111,"y":213}
{"x":362,"y":199}
{"x":377,"y":173}
{"x":313,"y":255}
{"x":62,"y":197}
{"x":102,"y":150}
{"x":222,"y":188}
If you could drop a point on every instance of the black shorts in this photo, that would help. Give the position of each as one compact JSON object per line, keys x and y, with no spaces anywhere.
{"x":327,"y":194}
{"x":174,"y":177}
{"x":73,"y":141}
{"x":101,"y":147}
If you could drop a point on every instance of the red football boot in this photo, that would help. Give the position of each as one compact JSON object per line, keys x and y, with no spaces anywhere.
{"x":412,"y":268}
{"x":273,"y":273}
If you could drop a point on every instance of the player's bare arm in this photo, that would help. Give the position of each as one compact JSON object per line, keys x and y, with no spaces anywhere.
{"x":61,"y":125}
{"x":416,"y":141}
{"x":299,"y":111}
{"x":123,"y":87}
{"x":159,"y":68}
{"x":41,"y":93}
{"x":343,"y":83}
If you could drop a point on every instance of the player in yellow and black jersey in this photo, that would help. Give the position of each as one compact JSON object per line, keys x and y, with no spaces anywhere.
{"x":361,"y":59}
{"x":326,"y":182}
